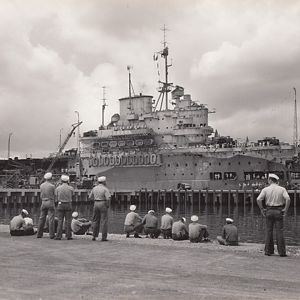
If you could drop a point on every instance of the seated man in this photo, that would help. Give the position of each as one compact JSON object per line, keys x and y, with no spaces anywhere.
{"x":133,"y":223}
{"x":79,"y":226}
{"x":179,"y":230}
{"x":166,"y":224}
{"x":19,"y":226}
{"x":197,"y":232}
{"x":229,"y":234}
{"x":150,"y":222}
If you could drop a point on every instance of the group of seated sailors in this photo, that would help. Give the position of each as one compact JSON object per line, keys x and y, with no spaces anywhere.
{"x":23,"y":225}
{"x":134,"y":224}
{"x":176,"y":230}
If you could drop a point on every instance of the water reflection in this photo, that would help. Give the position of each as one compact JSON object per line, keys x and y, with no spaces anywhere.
{"x":248,"y":219}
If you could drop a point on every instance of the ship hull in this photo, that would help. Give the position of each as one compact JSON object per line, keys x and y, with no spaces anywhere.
{"x":196,"y":170}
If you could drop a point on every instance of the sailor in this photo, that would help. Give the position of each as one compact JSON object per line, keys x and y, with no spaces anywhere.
{"x":166,"y":224}
{"x":197,"y":232}
{"x":63,"y":195}
{"x":47,"y":207}
{"x":79,"y":226}
{"x":229,"y":234}
{"x":277,"y":203}
{"x":101,"y":197}
{"x":19,"y":226}
{"x":150,"y":222}
{"x":133,"y":223}
{"x":179,"y":230}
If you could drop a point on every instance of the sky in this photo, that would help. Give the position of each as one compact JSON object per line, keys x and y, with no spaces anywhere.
{"x":240,"y":57}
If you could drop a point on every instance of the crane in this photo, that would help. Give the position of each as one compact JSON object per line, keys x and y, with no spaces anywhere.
{"x":61,"y":148}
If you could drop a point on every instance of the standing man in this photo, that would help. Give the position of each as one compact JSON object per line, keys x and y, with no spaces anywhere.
{"x":64,"y":194}
{"x":47,"y":207}
{"x":277,"y":203}
{"x":101,"y":197}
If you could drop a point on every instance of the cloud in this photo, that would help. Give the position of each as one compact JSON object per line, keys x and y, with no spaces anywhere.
{"x":240,"y":57}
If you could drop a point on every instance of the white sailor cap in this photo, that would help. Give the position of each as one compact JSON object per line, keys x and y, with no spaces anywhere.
{"x":28,"y":221}
{"x":132,"y":207}
{"x":273,"y":176}
{"x":24,"y":211}
{"x":183,"y":219}
{"x":64,"y":178}
{"x":75,"y":214}
{"x":229,"y":220}
{"x":151,"y":211}
{"x":194,"y":218}
{"x":168,"y":210}
{"x":48,"y":176}
{"x":101,"y":179}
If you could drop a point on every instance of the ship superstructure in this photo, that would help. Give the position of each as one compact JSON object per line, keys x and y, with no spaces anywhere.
{"x":149,"y":145}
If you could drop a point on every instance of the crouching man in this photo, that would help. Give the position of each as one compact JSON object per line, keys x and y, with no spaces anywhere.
{"x":150,"y":222}
{"x":21,"y":224}
{"x":133,"y":223}
{"x":79,"y":226}
{"x":229,"y":234}
{"x":179,"y":230}
{"x":197,"y":232}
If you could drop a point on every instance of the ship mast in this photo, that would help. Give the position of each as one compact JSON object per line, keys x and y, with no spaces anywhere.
{"x":103,"y":105}
{"x":166,"y":86}
{"x":295,"y":137}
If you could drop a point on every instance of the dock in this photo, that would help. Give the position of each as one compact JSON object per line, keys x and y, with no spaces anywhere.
{"x":152,"y":198}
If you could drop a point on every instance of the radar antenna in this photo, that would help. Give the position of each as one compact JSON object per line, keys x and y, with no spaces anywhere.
{"x":103,"y":105}
{"x":295,"y":137}
{"x":166,"y":86}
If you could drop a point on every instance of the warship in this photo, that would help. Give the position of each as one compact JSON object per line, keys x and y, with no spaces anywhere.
{"x":150,"y":145}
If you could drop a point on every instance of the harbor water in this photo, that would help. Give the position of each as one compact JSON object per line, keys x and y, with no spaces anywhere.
{"x":249,"y":221}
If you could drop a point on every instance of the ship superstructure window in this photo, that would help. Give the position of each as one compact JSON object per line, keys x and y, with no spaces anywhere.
{"x":215,"y":175}
{"x":295,"y":175}
{"x":230,"y":175}
{"x":255,"y":175}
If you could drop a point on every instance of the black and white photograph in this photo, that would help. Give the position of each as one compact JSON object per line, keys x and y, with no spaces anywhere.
{"x":149,"y":149}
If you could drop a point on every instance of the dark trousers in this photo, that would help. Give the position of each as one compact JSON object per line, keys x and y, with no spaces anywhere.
{"x":22,"y":232}
{"x":100,"y":219}
{"x":180,"y":237}
{"x":64,"y":211}
{"x":153,"y":232}
{"x":136,"y":229}
{"x":274,"y":217}
{"x":84,"y":228}
{"x":167,"y":233}
{"x":47,"y":208}
{"x":202,"y":235}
